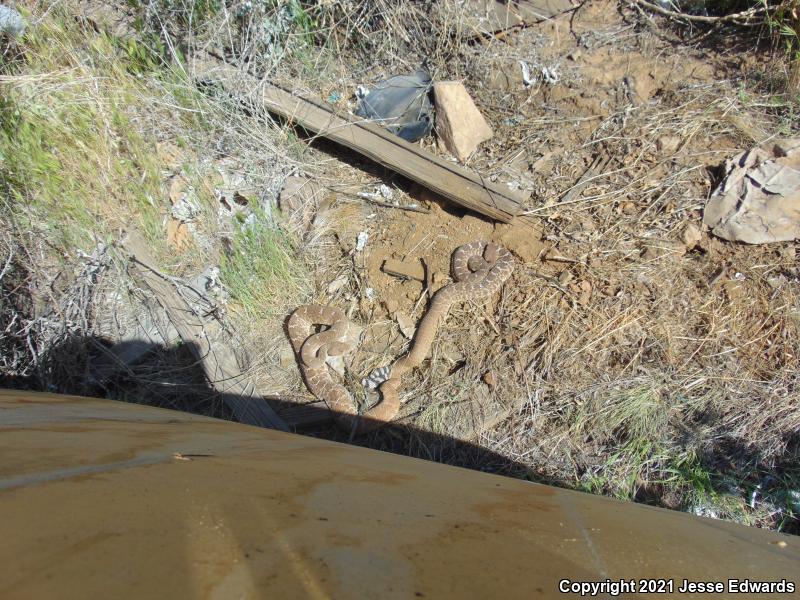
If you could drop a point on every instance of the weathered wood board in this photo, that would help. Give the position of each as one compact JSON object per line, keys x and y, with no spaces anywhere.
{"x":221,"y":368}
{"x":490,"y":16}
{"x":449,"y":180}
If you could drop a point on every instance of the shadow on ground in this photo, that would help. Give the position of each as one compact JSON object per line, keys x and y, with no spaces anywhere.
{"x":172,"y":378}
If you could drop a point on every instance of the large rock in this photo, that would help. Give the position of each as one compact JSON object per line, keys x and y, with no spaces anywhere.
{"x":759,"y":199}
{"x":459,"y":123}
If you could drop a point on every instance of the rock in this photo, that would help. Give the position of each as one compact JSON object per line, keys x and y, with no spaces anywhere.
{"x":450,"y":352}
{"x":759,"y":200}
{"x":489,"y":379}
{"x":406,"y":323}
{"x":585,"y":293}
{"x":655,"y":249}
{"x":178,"y":187}
{"x":524,"y":241}
{"x":299,"y":199}
{"x":776,"y":282}
{"x":459,"y":123}
{"x":286,"y":357}
{"x":338,"y":283}
{"x":405,"y":270}
{"x":391,"y":305}
{"x":691,"y":235}
{"x":178,"y":234}
{"x":506,"y":78}
{"x":668,"y":144}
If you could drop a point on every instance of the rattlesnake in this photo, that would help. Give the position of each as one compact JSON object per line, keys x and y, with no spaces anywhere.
{"x":313,"y":349}
{"x":479,"y":270}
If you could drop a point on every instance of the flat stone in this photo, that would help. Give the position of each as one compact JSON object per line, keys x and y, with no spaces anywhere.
{"x":668,"y":144}
{"x":524,"y":241}
{"x":178,"y":234}
{"x":406,"y":270}
{"x":691,"y":235}
{"x":407,"y":325}
{"x":299,"y":199}
{"x":459,"y":123}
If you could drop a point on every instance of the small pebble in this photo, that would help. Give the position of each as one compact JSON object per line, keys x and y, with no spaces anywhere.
{"x":489,"y":379}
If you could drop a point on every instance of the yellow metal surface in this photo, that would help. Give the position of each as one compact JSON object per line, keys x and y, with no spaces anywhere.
{"x":100,"y":499}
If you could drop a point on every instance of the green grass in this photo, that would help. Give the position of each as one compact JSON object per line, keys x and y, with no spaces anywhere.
{"x":74,"y":164}
{"x":260,"y":270}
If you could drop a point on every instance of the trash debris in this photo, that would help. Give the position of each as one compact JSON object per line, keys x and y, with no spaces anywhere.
{"x":462,"y":186}
{"x":759,"y":200}
{"x":548,"y":75}
{"x":361,"y":242}
{"x":11,"y":22}
{"x":459,"y":123}
{"x":527,"y":79}
{"x":401,"y":103}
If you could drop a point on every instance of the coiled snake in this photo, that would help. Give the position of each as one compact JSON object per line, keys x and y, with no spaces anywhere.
{"x":479,"y":270}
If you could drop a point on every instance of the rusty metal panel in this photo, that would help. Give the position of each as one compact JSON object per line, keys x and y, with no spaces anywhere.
{"x":102,"y":499}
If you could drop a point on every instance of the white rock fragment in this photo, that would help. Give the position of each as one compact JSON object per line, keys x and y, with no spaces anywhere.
{"x":361,"y":241}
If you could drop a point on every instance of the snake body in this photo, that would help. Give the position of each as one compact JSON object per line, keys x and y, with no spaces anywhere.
{"x":313,"y":349}
{"x":479,"y":270}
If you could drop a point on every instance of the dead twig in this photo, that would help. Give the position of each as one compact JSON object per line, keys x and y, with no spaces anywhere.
{"x":741,"y":18}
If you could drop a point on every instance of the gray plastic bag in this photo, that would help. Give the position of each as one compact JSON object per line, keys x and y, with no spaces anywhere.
{"x":11,"y":22}
{"x":402,"y":103}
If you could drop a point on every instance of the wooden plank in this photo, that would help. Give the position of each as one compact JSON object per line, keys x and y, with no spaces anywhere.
{"x":488,"y":17}
{"x":449,"y":180}
{"x":221,"y":368}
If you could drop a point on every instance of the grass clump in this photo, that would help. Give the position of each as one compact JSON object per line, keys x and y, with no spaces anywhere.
{"x":75,"y":166}
{"x":260,"y":270}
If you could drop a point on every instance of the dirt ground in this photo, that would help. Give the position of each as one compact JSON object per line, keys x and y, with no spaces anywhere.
{"x":631,"y":352}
